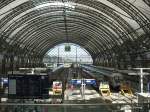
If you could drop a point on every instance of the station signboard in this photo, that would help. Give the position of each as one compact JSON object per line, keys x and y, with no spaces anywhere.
{"x":67,"y":48}
{"x":85,"y":81}
{"x":27,"y":86}
{"x":90,"y":81}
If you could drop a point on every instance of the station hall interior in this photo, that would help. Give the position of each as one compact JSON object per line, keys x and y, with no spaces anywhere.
{"x":74,"y":55}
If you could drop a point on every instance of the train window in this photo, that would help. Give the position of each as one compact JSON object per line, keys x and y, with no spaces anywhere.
{"x":126,"y":91}
{"x":105,"y":91}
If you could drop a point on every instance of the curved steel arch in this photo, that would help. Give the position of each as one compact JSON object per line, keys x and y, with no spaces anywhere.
{"x":56,"y":21}
{"x":64,"y":40}
{"x":52,"y":26}
{"x":131,"y":10}
{"x":75,"y":2}
{"x":122,"y":19}
{"x":75,"y":42}
{"x":13,"y":26}
{"x":92,"y":50}
{"x":40,"y":29}
{"x":136,"y":14}
{"x":109,"y":26}
{"x":125,"y":6}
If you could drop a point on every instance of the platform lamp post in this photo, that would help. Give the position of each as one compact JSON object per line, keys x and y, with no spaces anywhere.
{"x":11,"y":55}
{"x":141,"y":75}
{"x":58,"y":57}
{"x":76,"y":60}
{"x":76,"y":55}
{"x":83,"y":88}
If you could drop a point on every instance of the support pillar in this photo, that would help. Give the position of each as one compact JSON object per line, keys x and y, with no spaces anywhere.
{"x":4,"y":65}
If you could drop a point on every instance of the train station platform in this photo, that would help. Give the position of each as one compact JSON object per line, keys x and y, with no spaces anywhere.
{"x":118,"y":98}
{"x":76,"y":94}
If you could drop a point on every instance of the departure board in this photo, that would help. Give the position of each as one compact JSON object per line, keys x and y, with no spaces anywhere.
{"x":28,"y":86}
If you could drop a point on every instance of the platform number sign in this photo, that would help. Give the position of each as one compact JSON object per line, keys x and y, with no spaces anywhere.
{"x":67,"y":48}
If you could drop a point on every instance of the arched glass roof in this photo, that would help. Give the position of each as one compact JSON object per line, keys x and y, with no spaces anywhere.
{"x":35,"y":26}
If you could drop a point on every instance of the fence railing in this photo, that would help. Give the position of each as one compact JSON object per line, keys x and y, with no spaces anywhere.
{"x":23,"y":107}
